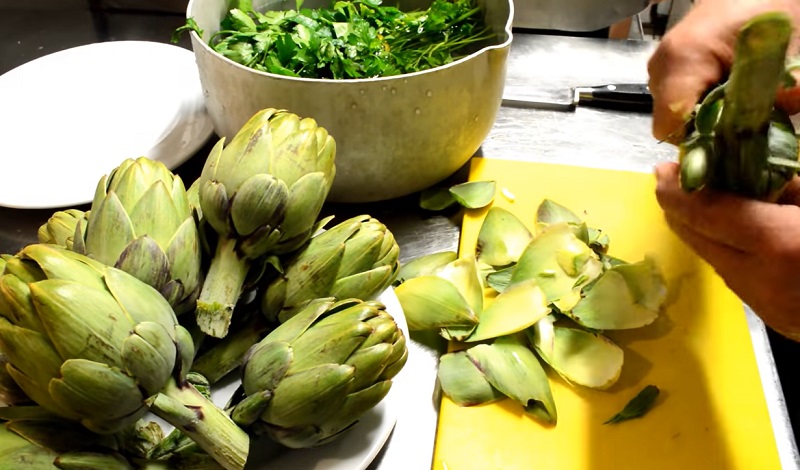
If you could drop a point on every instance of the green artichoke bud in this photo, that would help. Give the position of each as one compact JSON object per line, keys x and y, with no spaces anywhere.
{"x":737,"y":140}
{"x":141,"y":222}
{"x":355,"y":259}
{"x":60,"y":227}
{"x":313,"y":376}
{"x":93,"y":344}
{"x":262,"y":194}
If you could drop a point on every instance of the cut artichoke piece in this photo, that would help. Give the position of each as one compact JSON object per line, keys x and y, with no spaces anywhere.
{"x":560,"y":263}
{"x":502,"y":238}
{"x":550,"y":212}
{"x":519,"y":307}
{"x":625,"y":296}
{"x":433,"y":302}
{"x":512,"y":368}
{"x":425,"y":265}
{"x":499,"y":280}
{"x":581,"y":357}
{"x":463,"y":382}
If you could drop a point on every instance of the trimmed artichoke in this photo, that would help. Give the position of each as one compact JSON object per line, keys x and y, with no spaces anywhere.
{"x":316,"y":374}
{"x":738,"y":140}
{"x":262,"y":194}
{"x":60,"y":227}
{"x":93,"y":344}
{"x":354,"y":259}
{"x":141,"y":223}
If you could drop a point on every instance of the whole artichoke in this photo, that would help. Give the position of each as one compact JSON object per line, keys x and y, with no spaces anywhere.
{"x":357,"y":258}
{"x":262,"y":194}
{"x":312,"y":377}
{"x":93,"y":344}
{"x":141,"y":222}
{"x":60,"y":227}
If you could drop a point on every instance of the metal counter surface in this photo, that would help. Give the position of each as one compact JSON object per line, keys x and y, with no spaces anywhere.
{"x":589,"y":137}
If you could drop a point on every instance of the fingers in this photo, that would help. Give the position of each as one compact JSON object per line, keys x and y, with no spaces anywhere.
{"x":738,"y":223}
{"x":689,"y":61}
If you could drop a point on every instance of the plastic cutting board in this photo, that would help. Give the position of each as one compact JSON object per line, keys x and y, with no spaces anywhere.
{"x":711,"y":413}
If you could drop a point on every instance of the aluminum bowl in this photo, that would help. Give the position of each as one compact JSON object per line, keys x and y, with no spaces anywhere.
{"x":394,"y":135}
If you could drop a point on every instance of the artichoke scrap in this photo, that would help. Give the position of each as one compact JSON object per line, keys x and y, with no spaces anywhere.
{"x":315,"y":375}
{"x":737,"y":141}
{"x":357,"y":258}
{"x":262,"y":194}
{"x":529,"y":298}
{"x":93,"y":344}
{"x":141,"y":222}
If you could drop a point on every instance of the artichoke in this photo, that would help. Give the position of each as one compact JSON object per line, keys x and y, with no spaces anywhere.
{"x":95,"y":345}
{"x":312,"y":377}
{"x":141,"y":223}
{"x":60,"y":227}
{"x":262,"y":194}
{"x":357,"y":258}
{"x":737,"y":140}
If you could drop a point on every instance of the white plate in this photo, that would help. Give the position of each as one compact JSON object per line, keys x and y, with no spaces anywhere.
{"x":68,"y":118}
{"x":355,"y":449}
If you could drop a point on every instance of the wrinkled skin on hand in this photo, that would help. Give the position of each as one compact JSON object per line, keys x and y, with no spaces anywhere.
{"x":754,"y":246}
{"x":697,"y":53}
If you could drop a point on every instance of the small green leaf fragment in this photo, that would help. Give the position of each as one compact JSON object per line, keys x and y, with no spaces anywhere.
{"x":638,"y":406}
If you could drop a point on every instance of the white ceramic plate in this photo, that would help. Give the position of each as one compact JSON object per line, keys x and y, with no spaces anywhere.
{"x":354,"y":450}
{"x":68,"y":118}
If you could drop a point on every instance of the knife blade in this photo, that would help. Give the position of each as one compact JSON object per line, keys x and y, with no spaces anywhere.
{"x":633,"y":97}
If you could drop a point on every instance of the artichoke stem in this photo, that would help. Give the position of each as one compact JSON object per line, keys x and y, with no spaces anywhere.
{"x":210,"y":427}
{"x":221,"y":289}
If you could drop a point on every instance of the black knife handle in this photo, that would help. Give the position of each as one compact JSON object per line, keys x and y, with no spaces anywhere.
{"x":621,"y":96}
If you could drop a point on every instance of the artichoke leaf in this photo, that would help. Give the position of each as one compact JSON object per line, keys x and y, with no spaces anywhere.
{"x":463,"y":274}
{"x":260,"y":200}
{"x":149,"y":354}
{"x":463,"y":382}
{"x":500,"y":279}
{"x":502,"y":238}
{"x":425,"y":265}
{"x":610,"y":305}
{"x":437,"y":198}
{"x":82,"y":460}
{"x":580,"y":357}
{"x":155,"y":213}
{"x":145,"y":260}
{"x":560,"y":263}
{"x":60,"y":435}
{"x":513,"y":369}
{"x":433,"y":302}
{"x":474,"y":194}
{"x":550,"y":212}
{"x":517,"y":308}
{"x":109,"y":230}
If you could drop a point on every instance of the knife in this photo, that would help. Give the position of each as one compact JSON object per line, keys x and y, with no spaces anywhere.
{"x":634,"y":97}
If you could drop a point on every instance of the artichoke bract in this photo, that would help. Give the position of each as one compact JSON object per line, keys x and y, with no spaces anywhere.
{"x":357,"y":258}
{"x":141,"y":222}
{"x":60,"y":227}
{"x":93,"y":344}
{"x":313,"y":376}
{"x":262,"y":193}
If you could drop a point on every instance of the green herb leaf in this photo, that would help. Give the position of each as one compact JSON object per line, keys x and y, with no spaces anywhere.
{"x":638,"y":406}
{"x":190,"y":25}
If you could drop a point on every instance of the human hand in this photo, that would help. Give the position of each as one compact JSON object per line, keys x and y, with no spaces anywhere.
{"x":697,"y":53}
{"x":754,"y":246}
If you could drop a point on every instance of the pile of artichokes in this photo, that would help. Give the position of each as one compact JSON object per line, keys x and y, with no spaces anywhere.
{"x":141,"y":303}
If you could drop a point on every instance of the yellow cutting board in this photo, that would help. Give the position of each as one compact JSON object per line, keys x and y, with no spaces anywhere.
{"x":711,"y":413}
